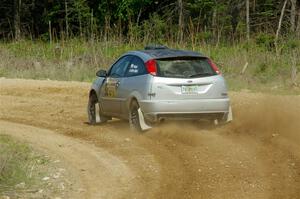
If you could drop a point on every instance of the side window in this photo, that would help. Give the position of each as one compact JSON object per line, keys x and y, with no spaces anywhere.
{"x":136,"y":67}
{"x":119,"y":68}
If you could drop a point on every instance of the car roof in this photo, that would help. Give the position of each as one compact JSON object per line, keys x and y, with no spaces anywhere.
{"x":164,"y":53}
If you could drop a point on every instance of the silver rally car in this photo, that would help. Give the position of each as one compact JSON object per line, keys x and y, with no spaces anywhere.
{"x":156,"y":84}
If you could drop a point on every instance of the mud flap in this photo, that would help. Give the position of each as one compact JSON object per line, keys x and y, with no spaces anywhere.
{"x":229,"y":117}
{"x":226,"y":119}
{"x":97,"y":109}
{"x":143,"y":124}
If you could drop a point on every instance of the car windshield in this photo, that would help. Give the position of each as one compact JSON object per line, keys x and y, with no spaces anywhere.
{"x":184,"y":68}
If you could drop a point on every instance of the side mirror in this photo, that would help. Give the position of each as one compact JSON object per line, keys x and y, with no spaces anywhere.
{"x":101,"y":73}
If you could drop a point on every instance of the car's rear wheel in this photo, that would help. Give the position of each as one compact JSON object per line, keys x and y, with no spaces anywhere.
{"x":134,"y":121}
{"x":94,"y":111}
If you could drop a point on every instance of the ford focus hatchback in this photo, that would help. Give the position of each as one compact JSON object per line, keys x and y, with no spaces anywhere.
{"x":148,"y":86}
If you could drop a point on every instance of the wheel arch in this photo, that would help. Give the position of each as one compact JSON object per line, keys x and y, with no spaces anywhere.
{"x":92,"y":92}
{"x":130,"y":100}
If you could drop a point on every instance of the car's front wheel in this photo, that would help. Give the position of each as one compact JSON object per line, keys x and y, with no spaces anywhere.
{"x":94,"y":111}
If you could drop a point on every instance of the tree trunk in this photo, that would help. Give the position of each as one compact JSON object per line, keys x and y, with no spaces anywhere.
{"x":279,"y":26}
{"x":17,"y":19}
{"x":298,"y":24}
{"x":180,"y":20}
{"x":248,"y":19}
{"x":294,"y":69}
{"x":80,"y":26}
{"x":214,"y":22}
{"x":106,"y":28}
{"x":139,"y":16}
{"x":50,"y":32}
{"x":293,"y":15}
{"x":92,"y":25}
{"x":66,"y":19}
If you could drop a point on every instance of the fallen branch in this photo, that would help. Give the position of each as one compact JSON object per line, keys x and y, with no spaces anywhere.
{"x":244,"y":68}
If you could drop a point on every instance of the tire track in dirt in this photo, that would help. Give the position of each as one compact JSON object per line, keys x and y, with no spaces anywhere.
{"x":90,"y":166}
{"x":257,"y":156}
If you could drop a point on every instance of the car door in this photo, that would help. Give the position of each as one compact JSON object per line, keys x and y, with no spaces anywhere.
{"x":136,"y":82}
{"x":110,"y":100}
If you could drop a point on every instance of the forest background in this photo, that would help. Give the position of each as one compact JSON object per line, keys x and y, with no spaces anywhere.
{"x":256,"y":43}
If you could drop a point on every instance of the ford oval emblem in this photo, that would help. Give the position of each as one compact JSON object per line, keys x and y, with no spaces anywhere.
{"x":189,"y":81}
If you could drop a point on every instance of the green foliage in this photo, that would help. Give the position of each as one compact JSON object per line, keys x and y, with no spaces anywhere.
{"x":76,"y":12}
{"x":15,"y":161}
{"x":204,"y":36}
{"x":127,"y":19}
{"x":128,"y":8}
{"x":22,"y":170}
{"x":265,"y":41}
{"x":261,"y":69}
{"x":79,"y":60}
{"x":154,"y":29}
{"x":291,"y":44}
{"x":81,"y":12}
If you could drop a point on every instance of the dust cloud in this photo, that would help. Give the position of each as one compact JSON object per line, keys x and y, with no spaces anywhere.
{"x":269,"y":116}
{"x":264,"y":117}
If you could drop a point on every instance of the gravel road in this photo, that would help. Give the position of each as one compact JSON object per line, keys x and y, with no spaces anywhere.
{"x":256,"y":156}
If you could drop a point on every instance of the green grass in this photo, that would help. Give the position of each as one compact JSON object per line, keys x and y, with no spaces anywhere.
{"x":17,"y":165}
{"x":78,"y":60}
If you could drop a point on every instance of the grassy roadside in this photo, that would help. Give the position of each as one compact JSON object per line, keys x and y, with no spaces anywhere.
{"x":79,"y":59}
{"x":26,"y":173}
{"x":18,"y":164}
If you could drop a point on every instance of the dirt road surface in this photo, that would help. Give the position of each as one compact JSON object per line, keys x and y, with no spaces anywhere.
{"x":256,"y":156}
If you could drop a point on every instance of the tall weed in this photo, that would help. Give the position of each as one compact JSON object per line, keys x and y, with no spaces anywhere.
{"x":79,"y":59}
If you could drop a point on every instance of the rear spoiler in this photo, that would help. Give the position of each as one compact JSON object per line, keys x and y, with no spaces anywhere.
{"x":181,"y":58}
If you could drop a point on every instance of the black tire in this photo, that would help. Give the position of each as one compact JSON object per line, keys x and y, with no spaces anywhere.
{"x":134,"y":121}
{"x":91,"y":109}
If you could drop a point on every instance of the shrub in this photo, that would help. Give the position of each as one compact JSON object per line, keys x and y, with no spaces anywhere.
{"x":265,"y":41}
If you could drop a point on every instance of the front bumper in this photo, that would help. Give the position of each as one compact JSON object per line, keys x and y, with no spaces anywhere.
{"x":155,"y":110}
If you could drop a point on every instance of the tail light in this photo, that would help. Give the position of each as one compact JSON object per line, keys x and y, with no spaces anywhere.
{"x":151,"y":67}
{"x":214,"y":66}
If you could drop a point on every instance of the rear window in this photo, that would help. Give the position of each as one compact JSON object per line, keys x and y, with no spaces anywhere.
{"x":184,"y":68}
